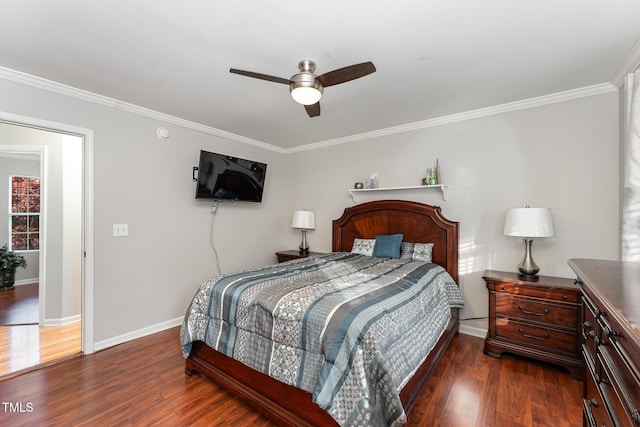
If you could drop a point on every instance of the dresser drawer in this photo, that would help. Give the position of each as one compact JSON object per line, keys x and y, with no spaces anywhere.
{"x":612,"y":332}
{"x":595,"y":412}
{"x":626,"y":401}
{"x":538,"y":292}
{"x":537,"y":311}
{"x":589,"y":330}
{"x":537,"y":336}
{"x":610,"y":394}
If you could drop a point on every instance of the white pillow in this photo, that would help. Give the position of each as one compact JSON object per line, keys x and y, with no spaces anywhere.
{"x":422,"y":252}
{"x":363,"y":246}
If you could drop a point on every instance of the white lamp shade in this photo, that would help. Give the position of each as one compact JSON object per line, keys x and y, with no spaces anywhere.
{"x":304,"y":219}
{"x":528,"y":222}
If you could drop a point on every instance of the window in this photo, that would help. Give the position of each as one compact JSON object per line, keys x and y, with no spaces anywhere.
{"x":24,"y":213}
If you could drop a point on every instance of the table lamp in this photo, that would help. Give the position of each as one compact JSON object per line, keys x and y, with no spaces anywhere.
{"x":528,"y":223}
{"x":304,"y":220}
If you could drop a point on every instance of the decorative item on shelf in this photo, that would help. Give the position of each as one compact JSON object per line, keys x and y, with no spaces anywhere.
{"x":9,"y":262}
{"x":528,"y":222}
{"x":304,"y":220}
{"x":372,"y":182}
{"x":430,"y":179}
{"x":358,"y":186}
{"x":432,"y":176}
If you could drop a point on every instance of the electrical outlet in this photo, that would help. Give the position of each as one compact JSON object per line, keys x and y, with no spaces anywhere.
{"x":120,"y":230}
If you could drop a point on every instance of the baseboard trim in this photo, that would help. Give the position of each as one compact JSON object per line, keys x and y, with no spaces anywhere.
{"x":26,"y":281}
{"x":62,"y":321}
{"x":101,"y":345}
{"x":473,"y":331}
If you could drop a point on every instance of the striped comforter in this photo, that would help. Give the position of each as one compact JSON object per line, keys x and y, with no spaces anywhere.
{"x":350,"y":329}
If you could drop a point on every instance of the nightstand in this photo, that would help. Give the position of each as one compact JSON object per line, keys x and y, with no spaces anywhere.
{"x":538,"y":319}
{"x":293,"y":254}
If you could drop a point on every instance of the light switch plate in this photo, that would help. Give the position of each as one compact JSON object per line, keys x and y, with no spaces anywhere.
{"x":120,"y":230}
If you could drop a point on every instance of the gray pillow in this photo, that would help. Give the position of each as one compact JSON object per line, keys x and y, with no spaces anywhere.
{"x":363,"y":246}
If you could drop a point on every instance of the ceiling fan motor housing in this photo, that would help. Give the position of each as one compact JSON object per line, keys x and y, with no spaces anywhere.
{"x":307,"y":65}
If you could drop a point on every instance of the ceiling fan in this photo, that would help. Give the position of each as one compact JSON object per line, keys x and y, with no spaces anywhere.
{"x":306,"y":88}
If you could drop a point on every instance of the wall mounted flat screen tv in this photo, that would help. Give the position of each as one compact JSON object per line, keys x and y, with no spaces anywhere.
{"x":228,"y":178}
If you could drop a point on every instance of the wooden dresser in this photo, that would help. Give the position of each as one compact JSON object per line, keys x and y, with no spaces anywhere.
{"x":538,"y":319}
{"x":611,"y":341}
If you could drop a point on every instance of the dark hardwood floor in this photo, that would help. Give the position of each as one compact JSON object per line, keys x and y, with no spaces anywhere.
{"x":19,"y":306}
{"x":114,"y":387}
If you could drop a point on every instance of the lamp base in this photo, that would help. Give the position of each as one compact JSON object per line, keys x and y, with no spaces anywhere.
{"x":304,"y":247}
{"x":528,"y":277}
{"x":528,"y":269}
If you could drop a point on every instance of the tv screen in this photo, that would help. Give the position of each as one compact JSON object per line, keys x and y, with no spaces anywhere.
{"x":222,"y":177}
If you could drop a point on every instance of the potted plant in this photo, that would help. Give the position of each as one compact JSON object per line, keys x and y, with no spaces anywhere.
{"x":9,"y":262}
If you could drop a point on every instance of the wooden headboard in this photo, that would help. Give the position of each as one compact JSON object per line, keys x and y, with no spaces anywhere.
{"x":419,"y":223}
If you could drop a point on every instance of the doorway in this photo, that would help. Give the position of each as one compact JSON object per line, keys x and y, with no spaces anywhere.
{"x":65,"y":277}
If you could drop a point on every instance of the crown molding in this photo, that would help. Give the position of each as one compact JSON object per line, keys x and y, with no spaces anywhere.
{"x":629,"y":65}
{"x":62,"y":89}
{"x":51,"y":86}
{"x":469,"y":115}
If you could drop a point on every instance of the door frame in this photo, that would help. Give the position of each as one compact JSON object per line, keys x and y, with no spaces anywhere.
{"x":87,"y":226}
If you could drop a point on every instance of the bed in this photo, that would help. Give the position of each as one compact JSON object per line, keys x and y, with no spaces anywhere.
{"x":290,"y":400}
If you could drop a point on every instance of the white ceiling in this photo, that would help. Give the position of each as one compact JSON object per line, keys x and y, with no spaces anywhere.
{"x":434,"y":58}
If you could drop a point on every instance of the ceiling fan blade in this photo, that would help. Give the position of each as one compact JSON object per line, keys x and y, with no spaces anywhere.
{"x":260,"y":76}
{"x":313,"y":110}
{"x":342,"y":75}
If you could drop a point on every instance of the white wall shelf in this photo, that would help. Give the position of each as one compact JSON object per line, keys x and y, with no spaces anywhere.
{"x":356,"y":192}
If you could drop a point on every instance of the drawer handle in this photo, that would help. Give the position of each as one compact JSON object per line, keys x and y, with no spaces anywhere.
{"x":636,"y":416}
{"x":593,"y":402}
{"x":609,"y":333}
{"x":542,"y":338}
{"x":533,"y":313}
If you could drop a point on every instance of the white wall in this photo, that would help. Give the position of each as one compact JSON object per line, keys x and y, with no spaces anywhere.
{"x":563,"y":156}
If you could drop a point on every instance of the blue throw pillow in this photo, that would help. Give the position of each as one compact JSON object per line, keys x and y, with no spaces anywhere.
{"x":388,"y":245}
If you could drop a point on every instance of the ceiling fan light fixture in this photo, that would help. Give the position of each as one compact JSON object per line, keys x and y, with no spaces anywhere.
{"x":306,"y":95}
{"x":305,"y":89}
